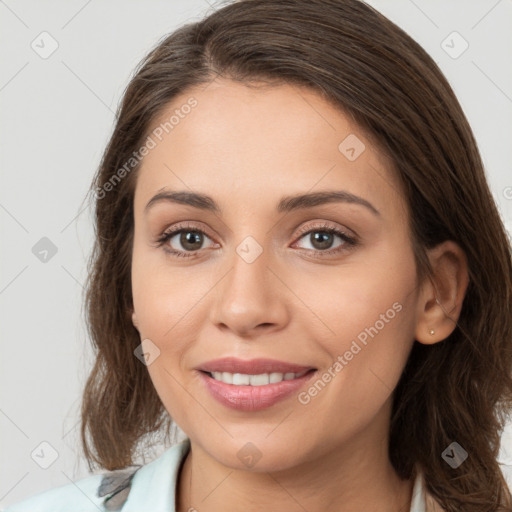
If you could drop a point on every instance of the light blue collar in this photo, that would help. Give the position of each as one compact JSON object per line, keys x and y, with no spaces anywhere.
{"x":154,"y":485}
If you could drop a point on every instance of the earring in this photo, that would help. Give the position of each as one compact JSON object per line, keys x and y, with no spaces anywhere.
{"x":432,"y":332}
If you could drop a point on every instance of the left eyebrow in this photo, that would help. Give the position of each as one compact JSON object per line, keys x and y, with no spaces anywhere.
{"x":286,"y":204}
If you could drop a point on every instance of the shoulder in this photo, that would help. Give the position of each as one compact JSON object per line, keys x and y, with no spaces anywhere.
{"x":80,"y":494}
{"x":109,"y":491}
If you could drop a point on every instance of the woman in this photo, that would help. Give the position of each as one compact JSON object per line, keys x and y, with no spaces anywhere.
{"x":298,"y":261}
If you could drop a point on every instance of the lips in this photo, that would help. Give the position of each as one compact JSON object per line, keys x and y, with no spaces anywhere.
{"x":252,"y":366}
{"x":252,"y":398}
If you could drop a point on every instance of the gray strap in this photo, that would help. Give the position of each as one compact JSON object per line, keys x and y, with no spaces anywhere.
{"x":115,"y":486}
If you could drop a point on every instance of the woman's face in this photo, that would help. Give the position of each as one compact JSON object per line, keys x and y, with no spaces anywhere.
{"x":261,"y":278}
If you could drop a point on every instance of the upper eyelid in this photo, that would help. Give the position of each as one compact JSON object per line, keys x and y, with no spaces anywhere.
{"x":327,"y":225}
{"x":183,"y":226}
{"x":173,"y":230}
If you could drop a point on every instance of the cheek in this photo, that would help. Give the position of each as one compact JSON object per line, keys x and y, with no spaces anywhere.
{"x":167,"y":303}
{"x":162,"y":300}
{"x":157,"y":293}
{"x":366,"y":316}
{"x":371,"y":329}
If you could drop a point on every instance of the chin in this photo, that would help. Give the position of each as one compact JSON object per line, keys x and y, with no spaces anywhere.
{"x":257,"y":456}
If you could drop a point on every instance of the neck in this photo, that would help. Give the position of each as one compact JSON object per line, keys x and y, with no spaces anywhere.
{"x":355,"y":477}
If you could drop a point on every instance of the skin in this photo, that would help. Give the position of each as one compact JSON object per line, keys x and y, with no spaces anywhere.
{"x":247,"y":148}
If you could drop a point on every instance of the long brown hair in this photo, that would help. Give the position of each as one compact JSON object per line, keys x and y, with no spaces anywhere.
{"x":458,"y":390}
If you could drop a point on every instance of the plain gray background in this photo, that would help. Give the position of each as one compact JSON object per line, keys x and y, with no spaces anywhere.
{"x":57,"y":115}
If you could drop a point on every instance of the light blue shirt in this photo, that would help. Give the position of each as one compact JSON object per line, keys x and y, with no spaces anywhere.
{"x":153,"y":489}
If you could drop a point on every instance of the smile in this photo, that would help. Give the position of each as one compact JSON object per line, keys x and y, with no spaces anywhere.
{"x":251,"y":393}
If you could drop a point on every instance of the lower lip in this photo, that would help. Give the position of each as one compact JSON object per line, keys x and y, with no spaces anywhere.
{"x":253,"y":398}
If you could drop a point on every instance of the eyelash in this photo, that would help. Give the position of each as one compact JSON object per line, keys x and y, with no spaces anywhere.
{"x":350,"y":242}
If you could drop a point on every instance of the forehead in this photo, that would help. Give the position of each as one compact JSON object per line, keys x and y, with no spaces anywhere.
{"x":227,"y":138}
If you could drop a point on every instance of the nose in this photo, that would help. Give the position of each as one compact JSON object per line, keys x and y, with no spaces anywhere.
{"x":251,"y":298}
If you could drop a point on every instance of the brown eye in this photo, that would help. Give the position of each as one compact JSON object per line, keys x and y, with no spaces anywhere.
{"x":322,"y":238}
{"x":182,"y":240}
{"x":190,"y":240}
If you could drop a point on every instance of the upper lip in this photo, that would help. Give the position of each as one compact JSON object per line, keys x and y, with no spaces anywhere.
{"x":252,"y":366}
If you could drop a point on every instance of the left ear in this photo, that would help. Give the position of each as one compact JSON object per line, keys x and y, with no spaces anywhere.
{"x":441,"y":297}
{"x":134,"y":319}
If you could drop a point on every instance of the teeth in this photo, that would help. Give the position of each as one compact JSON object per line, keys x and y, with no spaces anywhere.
{"x":259,"y":380}
{"x":243,"y":379}
{"x":226,"y":377}
{"x":275,"y":377}
{"x":239,"y":379}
